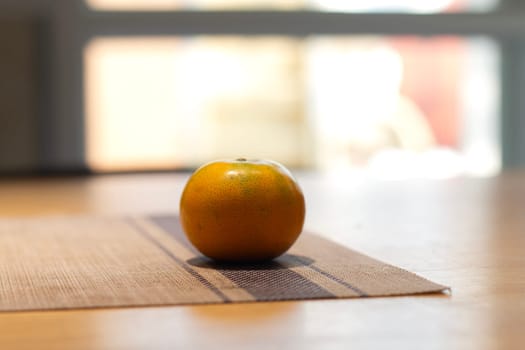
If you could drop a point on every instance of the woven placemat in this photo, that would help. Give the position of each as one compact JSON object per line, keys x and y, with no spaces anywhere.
{"x":88,"y":262}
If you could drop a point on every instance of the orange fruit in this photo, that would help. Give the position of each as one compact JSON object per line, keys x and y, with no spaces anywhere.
{"x":242,"y":210}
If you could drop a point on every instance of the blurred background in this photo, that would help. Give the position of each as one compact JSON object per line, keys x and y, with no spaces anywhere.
{"x":388,"y":88}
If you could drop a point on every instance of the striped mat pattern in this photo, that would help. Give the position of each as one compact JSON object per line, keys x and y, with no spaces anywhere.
{"x":90,"y":262}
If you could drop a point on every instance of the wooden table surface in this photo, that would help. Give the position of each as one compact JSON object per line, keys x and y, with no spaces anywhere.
{"x":465,"y":233}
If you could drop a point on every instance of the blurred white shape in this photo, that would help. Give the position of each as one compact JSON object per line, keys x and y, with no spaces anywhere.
{"x":129,"y":105}
{"x":126,"y":5}
{"x":160,"y":5}
{"x":406,"y":6}
{"x":398,"y":164}
{"x":481,"y":143}
{"x":158,"y":103}
{"x":410,"y":6}
{"x":353,"y":88}
{"x":415,"y":6}
{"x":362,"y":119}
{"x":337,"y":103}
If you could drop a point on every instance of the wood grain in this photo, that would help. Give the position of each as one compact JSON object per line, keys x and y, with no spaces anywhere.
{"x":466,"y":233}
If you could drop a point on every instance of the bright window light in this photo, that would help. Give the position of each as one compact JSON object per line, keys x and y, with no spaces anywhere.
{"x":394,"y":107}
{"x":408,"y":6}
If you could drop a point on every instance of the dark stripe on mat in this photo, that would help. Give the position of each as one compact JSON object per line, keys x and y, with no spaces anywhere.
{"x":334,"y":278}
{"x":180,"y":262}
{"x":275,"y":283}
{"x":266,"y":281}
{"x":171,"y":224}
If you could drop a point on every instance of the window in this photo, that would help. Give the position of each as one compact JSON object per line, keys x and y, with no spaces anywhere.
{"x":369,"y":85}
{"x":411,"y":6}
{"x":179,"y":102}
{"x":348,"y":102}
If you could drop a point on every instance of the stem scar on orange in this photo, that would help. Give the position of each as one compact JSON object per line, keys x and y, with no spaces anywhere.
{"x":242,"y":210}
